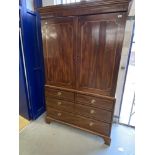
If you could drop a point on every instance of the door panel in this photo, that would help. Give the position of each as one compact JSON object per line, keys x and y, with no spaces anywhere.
{"x":99,"y":53}
{"x":58,"y":42}
{"x":32,"y":52}
{"x":23,"y":94}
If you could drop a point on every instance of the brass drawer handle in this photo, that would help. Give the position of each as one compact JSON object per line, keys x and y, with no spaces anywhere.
{"x":59,"y":114}
{"x":59,"y":103}
{"x":93,"y":101}
{"x":91,"y":124}
{"x":59,"y":93}
{"x":92,"y":111}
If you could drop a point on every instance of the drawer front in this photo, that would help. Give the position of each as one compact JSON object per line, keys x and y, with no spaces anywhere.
{"x":60,"y":104}
{"x":62,"y":116}
{"x":81,"y":122}
{"x":106,"y":104}
{"x":60,"y":94}
{"x":93,"y":125}
{"x":91,"y":112}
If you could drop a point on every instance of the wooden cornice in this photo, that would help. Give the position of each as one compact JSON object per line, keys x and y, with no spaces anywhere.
{"x":82,"y":8}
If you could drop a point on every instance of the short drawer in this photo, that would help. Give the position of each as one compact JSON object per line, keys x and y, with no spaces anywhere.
{"x":59,"y":115}
{"x":60,"y":104}
{"x":60,"y":94}
{"x":107,"y":104}
{"x":91,"y":112}
{"x":93,"y":125}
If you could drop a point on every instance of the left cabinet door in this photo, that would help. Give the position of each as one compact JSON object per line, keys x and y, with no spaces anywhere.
{"x":58,"y":36}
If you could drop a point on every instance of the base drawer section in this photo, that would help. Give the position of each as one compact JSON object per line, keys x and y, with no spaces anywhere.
{"x":80,"y":121}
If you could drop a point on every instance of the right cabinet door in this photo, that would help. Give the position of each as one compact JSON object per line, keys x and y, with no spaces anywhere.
{"x":99,"y":47}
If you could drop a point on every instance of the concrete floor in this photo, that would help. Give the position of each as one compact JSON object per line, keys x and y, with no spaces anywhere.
{"x":39,"y":138}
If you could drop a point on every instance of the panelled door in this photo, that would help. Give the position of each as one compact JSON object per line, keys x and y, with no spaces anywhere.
{"x":99,"y":52}
{"x":32,"y":56}
{"x":58,"y":36}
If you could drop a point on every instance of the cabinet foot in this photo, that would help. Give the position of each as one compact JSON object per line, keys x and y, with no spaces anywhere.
{"x":107,"y":140}
{"x":47,"y":120}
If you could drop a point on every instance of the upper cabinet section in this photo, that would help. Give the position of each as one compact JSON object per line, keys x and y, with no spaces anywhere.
{"x":82,"y":7}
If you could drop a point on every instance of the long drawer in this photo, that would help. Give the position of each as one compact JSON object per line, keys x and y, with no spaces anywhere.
{"x":91,"y":112}
{"x":60,"y":94}
{"x":107,"y":104}
{"x":82,"y":122}
{"x":60,"y":104}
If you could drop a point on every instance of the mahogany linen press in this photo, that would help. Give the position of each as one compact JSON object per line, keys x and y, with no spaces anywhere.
{"x":82,"y":44}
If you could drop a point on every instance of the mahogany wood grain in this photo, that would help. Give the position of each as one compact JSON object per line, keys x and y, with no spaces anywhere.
{"x":112,"y":99}
{"x":84,"y":8}
{"x":94,"y":113}
{"x":60,"y":105}
{"x":93,"y":101}
{"x":82,"y":46}
{"x":83,"y":122}
{"x":91,"y":124}
{"x":99,"y":41}
{"x":59,"y":46}
{"x":59,"y":94}
{"x":59,"y":115}
{"x":107,"y":139}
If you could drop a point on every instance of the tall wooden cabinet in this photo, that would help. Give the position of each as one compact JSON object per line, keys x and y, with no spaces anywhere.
{"x":82,"y":48}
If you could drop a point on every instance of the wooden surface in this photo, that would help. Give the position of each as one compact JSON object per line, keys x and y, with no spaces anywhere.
{"x":99,"y":41}
{"x":94,"y":113}
{"x":95,"y":101}
{"x":82,"y":56}
{"x":109,"y":98}
{"x":60,"y":94}
{"x":89,"y":124}
{"x":84,"y":8}
{"x":59,"y":55}
{"x":60,"y":105}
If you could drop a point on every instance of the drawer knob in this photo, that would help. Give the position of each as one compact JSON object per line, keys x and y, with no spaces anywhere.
{"x":59,"y":114}
{"x":91,"y":124}
{"x":59,"y":93}
{"x":59,"y":103}
{"x":92,"y":111}
{"x":93,"y":101}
